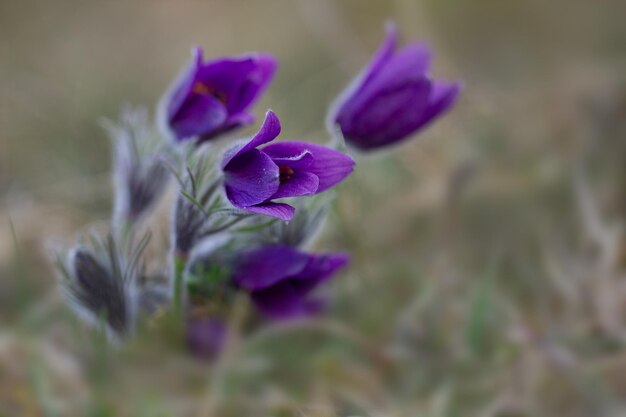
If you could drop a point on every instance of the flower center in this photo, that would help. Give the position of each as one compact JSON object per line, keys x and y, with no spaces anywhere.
{"x":202,"y":89}
{"x":285,"y":173}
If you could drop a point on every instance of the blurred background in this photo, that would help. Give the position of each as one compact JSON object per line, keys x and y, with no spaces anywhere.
{"x":489,"y":254}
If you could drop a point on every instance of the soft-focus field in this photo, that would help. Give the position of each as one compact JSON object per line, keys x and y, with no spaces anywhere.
{"x":489,"y":254}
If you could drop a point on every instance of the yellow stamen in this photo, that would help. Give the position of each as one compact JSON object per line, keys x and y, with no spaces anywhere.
{"x":202,"y":89}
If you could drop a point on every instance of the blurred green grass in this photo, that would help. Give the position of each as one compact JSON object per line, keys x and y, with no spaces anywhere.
{"x":489,"y":255}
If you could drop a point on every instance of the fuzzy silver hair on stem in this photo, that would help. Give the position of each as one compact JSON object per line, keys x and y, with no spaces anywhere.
{"x":100,"y":281}
{"x":200,"y":210}
{"x":307,"y":223}
{"x":140,"y":168}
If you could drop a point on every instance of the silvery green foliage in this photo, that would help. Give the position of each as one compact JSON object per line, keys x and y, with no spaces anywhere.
{"x":153,"y":297}
{"x":308,"y":221}
{"x":140,"y":168}
{"x":100,"y":280}
{"x":200,"y":210}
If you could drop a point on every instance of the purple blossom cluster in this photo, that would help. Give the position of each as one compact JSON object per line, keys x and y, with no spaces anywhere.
{"x":244,"y":211}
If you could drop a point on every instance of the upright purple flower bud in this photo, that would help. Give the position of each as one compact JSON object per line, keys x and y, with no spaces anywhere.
{"x":254,"y":177}
{"x":213,"y":97}
{"x":394,"y":97}
{"x":280,"y":279}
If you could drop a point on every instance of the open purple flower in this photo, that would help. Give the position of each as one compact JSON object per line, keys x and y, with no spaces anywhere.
{"x":212,"y":97}
{"x":254,"y":177}
{"x":280,"y":279}
{"x":394,"y":96}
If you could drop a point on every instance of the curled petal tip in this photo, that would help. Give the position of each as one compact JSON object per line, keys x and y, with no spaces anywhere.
{"x":271,"y":123}
{"x":197,"y":53}
{"x":269,"y":62}
{"x":391,"y":29}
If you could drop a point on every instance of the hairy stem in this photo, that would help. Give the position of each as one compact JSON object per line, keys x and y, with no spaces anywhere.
{"x":178,"y":293}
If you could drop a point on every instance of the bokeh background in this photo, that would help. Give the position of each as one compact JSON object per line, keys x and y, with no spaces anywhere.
{"x":489,"y":254}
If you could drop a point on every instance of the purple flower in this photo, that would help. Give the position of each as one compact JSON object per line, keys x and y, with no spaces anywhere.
{"x":254,"y":177}
{"x":280,"y":278}
{"x":213,"y":97}
{"x":393,"y":97}
{"x":205,"y":336}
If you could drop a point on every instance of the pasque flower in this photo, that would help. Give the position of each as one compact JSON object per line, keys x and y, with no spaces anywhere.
{"x":394,"y":97}
{"x":212,"y":97}
{"x":254,"y":177}
{"x":280,"y":278}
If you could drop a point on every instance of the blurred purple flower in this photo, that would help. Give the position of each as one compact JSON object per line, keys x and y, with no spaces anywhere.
{"x":394,"y":96}
{"x":253,"y":177}
{"x":205,"y":336}
{"x":280,"y":278}
{"x":213,"y":97}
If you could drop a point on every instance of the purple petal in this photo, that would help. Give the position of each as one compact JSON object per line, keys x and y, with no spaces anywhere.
{"x":256,"y":82}
{"x":250,"y":178}
{"x":406,"y":67}
{"x":329,"y":165}
{"x":321,"y":267}
{"x":390,"y":116}
{"x":183,"y":84}
{"x":280,"y":211}
{"x":210,"y":98}
{"x":290,"y":154}
{"x":239,"y":119}
{"x":444,"y":95}
{"x":266,"y":266}
{"x":409,"y":63}
{"x":347,"y":103}
{"x":288,"y":297}
{"x":269,"y":130}
{"x":200,"y":114}
{"x":233,"y":122}
{"x":299,"y":184}
{"x":227,"y":76}
{"x":384,"y":53}
{"x":285,"y":301}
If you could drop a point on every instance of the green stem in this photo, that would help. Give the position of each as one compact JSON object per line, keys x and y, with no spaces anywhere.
{"x":180,"y":262}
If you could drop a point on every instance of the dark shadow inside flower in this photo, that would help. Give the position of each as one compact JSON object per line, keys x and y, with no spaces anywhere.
{"x":254,"y":177}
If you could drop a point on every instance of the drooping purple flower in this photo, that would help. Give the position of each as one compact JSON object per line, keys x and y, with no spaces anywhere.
{"x":254,"y":177}
{"x":213,"y":97}
{"x":394,"y":96}
{"x":280,"y":279}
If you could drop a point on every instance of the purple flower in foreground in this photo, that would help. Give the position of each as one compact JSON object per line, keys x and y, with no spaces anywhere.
{"x":394,"y":96}
{"x":213,"y":97}
{"x":280,"y":278}
{"x":254,"y":177}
